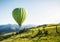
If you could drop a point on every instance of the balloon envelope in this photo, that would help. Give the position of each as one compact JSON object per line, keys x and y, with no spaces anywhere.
{"x":19,"y":14}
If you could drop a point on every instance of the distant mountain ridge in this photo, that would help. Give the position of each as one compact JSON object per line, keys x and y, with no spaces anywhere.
{"x":12,"y":28}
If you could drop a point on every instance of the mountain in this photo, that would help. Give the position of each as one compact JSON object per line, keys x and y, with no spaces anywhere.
{"x":12,"y":28}
{"x":8,"y":28}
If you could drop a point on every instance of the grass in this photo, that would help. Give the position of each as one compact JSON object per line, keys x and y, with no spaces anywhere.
{"x":33,"y":35}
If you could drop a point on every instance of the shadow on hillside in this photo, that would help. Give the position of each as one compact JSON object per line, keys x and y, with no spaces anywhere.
{"x":39,"y":34}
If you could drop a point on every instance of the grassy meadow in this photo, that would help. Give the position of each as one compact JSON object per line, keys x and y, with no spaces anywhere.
{"x":37,"y":34}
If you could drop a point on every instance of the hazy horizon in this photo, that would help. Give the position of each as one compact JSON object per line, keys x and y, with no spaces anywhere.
{"x":39,"y":11}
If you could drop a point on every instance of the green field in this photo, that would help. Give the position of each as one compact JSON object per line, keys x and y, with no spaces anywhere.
{"x":37,"y":34}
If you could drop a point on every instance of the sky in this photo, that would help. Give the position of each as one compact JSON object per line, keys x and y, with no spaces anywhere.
{"x":39,"y":11}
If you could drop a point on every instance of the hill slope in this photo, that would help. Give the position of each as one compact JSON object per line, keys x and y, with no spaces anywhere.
{"x":37,"y":34}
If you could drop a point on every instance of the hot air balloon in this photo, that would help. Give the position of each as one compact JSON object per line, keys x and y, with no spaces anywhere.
{"x":19,"y":14}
